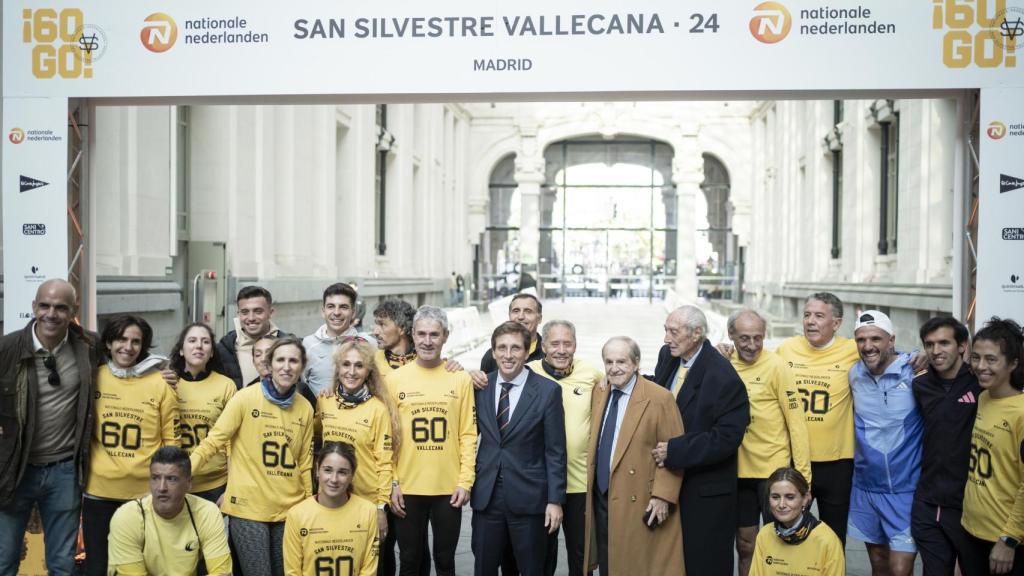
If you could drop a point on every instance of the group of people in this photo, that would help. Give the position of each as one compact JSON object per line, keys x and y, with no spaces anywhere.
{"x":324,"y":453}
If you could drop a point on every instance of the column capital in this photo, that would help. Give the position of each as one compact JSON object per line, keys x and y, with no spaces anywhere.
{"x":529,"y":170}
{"x":688,"y":169}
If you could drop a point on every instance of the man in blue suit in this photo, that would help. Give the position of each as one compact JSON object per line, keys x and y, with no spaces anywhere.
{"x":520,"y":464}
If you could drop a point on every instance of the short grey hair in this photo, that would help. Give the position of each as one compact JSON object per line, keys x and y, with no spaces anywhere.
{"x":431,"y":313}
{"x":563,"y":323}
{"x":693,"y":319}
{"x":730,"y":324}
{"x":828,"y":298}
{"x":634,"y":348}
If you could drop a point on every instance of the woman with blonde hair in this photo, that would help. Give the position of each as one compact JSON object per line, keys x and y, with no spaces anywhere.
{"x":362,"y":413}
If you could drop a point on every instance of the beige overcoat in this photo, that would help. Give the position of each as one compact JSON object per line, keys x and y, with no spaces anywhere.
{"x":651,"y":417}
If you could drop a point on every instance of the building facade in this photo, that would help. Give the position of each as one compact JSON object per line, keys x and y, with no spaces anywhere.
{"x":768,"y":201}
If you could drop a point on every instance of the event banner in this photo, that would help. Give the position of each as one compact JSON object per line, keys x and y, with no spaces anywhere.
{"x":1001,"y":206}
{"x":143,"y":48}
{"x":35,"y":201}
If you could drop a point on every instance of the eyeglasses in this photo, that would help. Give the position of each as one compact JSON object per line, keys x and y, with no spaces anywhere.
{"x":51,"y":364}
{"x":353,"y":339}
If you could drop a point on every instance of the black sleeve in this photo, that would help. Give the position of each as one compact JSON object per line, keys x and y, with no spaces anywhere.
{"x":722,"y":440}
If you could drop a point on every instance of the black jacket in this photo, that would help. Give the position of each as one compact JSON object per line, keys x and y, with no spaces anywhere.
{"x":946,"y":446}
{"x":229,"y":360}
{"x":18,"y":388}
{"x":715,"y":410}
{"x":488,"y":365}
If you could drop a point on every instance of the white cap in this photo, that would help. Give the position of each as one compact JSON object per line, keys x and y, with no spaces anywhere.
{"x":876,"y":319}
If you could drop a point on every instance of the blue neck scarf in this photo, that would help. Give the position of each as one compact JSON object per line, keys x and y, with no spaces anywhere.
{"x":274,"y":397}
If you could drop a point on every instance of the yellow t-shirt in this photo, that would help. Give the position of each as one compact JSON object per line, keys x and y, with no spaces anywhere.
{"x":822,"y":379}
{"x":271,"y":454}
{"x":994,"y":495}
{"x":821,"y":554}
{"x":321,"y":541}
{"x":170,"y":547}
{"x":437,"y":412}
{"x":777,"y":432}
{"x":199,"y":405}
{"x":367,"y":427}
{"x":576,"y":391}
{"x":135,"y":417}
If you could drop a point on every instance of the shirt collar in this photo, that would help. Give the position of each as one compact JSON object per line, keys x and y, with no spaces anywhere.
{"x":38,"y":344}
{"x":519,"y":380}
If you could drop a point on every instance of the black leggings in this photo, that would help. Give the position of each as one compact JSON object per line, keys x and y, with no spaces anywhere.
{"x":445,"y":522}
{"x":96,"y":516}
{"x":831,"y":485}
{"x":386,"y":565}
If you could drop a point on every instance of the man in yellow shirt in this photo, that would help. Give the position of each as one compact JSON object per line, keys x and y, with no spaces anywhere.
{"x":776,"y":434}
{"x":820,"y":360}
{"x":577,"y":379}
{"x":435,"y":469}
{"x":167,"y":531}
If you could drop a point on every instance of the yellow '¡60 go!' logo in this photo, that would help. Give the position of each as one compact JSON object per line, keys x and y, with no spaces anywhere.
{"x":981,"y":32}
{"x":61,"y":48}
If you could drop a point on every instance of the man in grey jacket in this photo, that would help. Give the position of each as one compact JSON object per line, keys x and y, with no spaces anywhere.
{"x":46,"y":394}
{"x":339,"y":307}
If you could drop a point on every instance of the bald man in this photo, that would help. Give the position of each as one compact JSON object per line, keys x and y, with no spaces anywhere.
{"x":46,"y":385}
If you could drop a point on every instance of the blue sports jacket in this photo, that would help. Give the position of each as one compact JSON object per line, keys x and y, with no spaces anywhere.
{"x":888,"y":428}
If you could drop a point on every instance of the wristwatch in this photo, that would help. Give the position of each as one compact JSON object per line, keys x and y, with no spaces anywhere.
{"x":382,"y":506}
{"x":394,"y":483}
{"x":1010,"y":542}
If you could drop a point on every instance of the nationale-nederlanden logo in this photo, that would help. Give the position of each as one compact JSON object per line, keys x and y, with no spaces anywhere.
{"x":771,"y":22}
{"x":159,"y":33}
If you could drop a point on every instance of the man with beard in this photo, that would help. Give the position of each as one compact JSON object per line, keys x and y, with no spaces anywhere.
{"x":887,"y":457}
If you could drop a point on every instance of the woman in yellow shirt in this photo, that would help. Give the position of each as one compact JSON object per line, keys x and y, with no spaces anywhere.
{"x":361,"y":412}
{"x":136,"y":413}
{"x":334,"y":532}
{"x":270,"y":428}
{"x":994,"y":496}
{"x":796,"y":543}
{"x":203,"y":392}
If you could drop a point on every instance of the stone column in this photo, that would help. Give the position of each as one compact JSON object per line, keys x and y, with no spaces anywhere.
{"x":529,"y":176}
{"x":687,"y":174}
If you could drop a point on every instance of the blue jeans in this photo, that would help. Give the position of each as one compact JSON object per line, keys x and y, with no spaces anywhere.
{"x":59,"y":498}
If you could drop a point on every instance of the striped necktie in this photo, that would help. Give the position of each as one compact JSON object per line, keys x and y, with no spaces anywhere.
{"x":503,"y":407}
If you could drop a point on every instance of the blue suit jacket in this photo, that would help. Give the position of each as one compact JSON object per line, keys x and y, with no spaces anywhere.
{"x":531,"y":457}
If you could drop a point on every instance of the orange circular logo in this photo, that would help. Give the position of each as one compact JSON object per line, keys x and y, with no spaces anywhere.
{"x":159,"y":33}
{"x":771,"y":22}
{"x":17,"y":136}
{"x":996,"y":130}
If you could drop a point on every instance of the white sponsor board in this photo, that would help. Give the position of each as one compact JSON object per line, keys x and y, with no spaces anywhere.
{"x":117,"y":48}
{"x":34,"y":201}
{"x":1001,"y":206}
